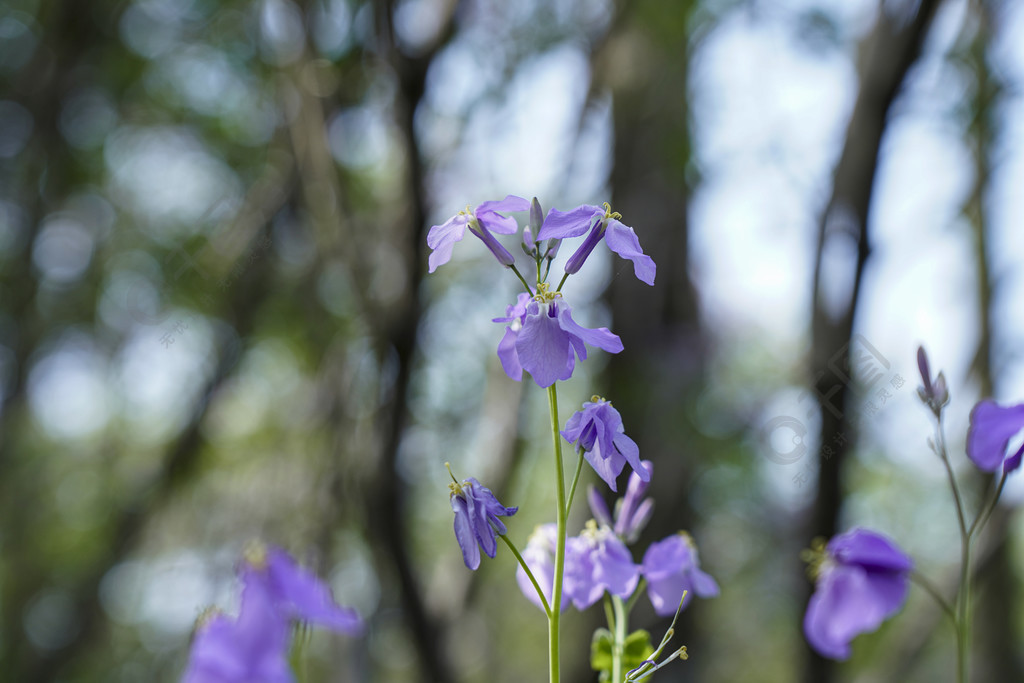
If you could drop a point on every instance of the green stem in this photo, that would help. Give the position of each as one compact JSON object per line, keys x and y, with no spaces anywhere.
{"x":526,"y":568}
{"x":982,"y":519}
{"x":931,"y":590}
{"x":560,"y":518}
{"x":963,"y":606}
{"x":521,"y":279}
{"x":562,"y":282}
{"x":964,"y":609}
{"x":940,"y":445}
{"x":640,"y":586}
{"x":575,"y":480}
{"x":619,"y":642}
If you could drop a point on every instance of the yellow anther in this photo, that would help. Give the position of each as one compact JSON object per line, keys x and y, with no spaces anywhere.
{"x":816,"y":557}
{"x":255,"y":554}
{"x":595,"y":399}
{"x":608,"y":213}
{"x":544,"y":294}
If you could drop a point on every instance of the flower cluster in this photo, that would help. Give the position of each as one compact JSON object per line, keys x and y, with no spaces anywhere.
{"x":542,"y":338}
{"x":253,"y":647}
{"x":862,"y":578}
{"x":598,"y":561}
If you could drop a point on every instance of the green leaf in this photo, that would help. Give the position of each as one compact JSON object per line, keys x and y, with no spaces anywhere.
{"x":636,"y":650}
{"x":601,"y":651}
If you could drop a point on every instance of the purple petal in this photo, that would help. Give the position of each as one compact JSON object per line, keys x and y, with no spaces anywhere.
{"x":600,"y":337}
{"x":544,"y":349}
{"x":703,"y":584}
{"x":667,"y":557}
{"x":614,"y":568}
{"x":666,"y":593}
{"x":578,"y":257}
{"x":992,"y":427}
{"x":508,"y":356}
{"x":464,"y":534}
{"x":573,"y":223}
{"x":636,"y":522}
{"x":477,"y":512}
{"x":503,"y":255}
{"x":635,"y":489}
{"x":598,"y":507}
{"x":487,"y":214}
{"x":631,"y":452}
{"x":843,"y":606}
{"x":1013,"y":462}
{"x":608,"y":468}
{"x":623,"y":241}
{"x":869,"y":549}
{"x":307,"y":597}
{"x":539,"y":555}
{"x":574,"y":427}
{"x":442,"y":239}
{"x":922,"y":366}
{"x":516,"y":311}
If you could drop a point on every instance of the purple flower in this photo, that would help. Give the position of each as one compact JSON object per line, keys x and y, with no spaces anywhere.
{"x":250,"y":649}
{"x":988,"y":438}
{"x":482,"y":221}
{"x":476,"y":520}
{"x":603,"y":224}
{"x":543,"y":339}
{"x":862,"y":579}
{"x":671,"y":567}
{"x":254,"y":647}
{"x":298,"y":593}
{"x":539,"y":555}
{"x":597,"y":430}
{"x":597,"y":561}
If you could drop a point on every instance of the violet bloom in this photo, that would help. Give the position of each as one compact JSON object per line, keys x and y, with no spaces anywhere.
{"x":597,"y":430}
{"x":603,"y":224}
{"x":476,"y":520}
{"x":539,"y":556}
{"x":862,"y":580}
{"x":254,"y":647}
{"x":543,"y":339}
{"x":298,"y":593}
{"x":250,"y":649}
{"x":482,"y":221}
{"x":671,"y":568}
{"x":597,"y":561}
{"x":988,"y":438}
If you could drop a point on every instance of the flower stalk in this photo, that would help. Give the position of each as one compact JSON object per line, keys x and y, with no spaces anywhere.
{"x":561,"y":514}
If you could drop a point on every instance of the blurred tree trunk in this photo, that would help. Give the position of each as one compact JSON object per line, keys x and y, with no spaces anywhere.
{"x":48,"y":170}
{"x":655,"y":382}
{"x":887,"y":54}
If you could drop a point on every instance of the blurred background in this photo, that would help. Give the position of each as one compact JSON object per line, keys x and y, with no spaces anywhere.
{"x":215,"y":323}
